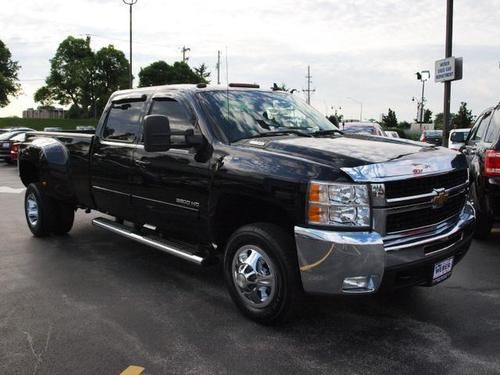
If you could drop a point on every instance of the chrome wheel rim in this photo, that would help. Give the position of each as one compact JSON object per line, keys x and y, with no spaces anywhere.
{"x":254,"y":276}
{"x":32,"y":209}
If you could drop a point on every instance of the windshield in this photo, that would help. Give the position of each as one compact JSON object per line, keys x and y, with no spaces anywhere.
{"x":360,"y":129}
{"x":7,"y":136}
{"x":246,"y":114}
{"x":459,"y":136}
{"x":434,"y":133}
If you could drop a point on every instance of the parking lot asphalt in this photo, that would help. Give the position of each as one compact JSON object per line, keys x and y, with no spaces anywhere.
{"x":94,"y":303}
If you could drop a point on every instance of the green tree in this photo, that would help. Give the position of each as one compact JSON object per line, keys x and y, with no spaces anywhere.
{"x":45,"y":96}
{"x":404,"y":125}
{"x":9,"y":83}
{"x":202,"y":73}
{"x":71,"y":71}
{"x":161,"y":73}
{"x":439,"y":120}
{"x":463,"y":119}
{"x":157,"y":73}
{"x":82,"y":78}
{"x":335,"y":119}
{"x":111,"y":74}
{"x":390,"y":120}
{"x":427,"y":116}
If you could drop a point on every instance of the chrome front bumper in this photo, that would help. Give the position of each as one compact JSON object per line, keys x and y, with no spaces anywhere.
{"x":354,"y":262}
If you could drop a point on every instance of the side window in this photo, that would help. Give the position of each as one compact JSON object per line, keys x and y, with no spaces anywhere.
{"x":122,"y":123}
{"x":483,"y":125}
{"x":494,"y":128}
{"x":178,"y":115}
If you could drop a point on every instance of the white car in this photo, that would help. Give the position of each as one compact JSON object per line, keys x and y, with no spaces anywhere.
{"x":457,"y":138}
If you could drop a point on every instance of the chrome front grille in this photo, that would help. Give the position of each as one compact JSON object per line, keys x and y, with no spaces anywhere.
{"x":425,"y":216}
{"x":424,"y":185}
{"x":430,"y":204}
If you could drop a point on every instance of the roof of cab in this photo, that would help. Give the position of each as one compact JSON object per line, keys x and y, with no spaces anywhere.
{"x":184,"y":87}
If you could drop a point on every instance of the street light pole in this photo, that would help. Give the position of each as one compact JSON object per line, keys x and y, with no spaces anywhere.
{"x":360,"y":107}
{"x":420,"y":76}
{"x":447,"y":84}
{"x":130,"y":3}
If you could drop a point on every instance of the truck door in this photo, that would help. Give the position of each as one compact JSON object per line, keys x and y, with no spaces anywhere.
{"x":111,"y":161}
{"x":171,"y":187}
{"x":474,"y":148}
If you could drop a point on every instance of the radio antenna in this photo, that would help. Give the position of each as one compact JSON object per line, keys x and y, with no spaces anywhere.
{"x":227,"y":84}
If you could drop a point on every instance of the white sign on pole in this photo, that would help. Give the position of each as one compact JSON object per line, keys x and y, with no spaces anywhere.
{"x":449,"y":69}
{"x":444,"y":70}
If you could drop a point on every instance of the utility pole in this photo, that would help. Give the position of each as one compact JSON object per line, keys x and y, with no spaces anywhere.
{"x":130,"y":78}
{"x":447,"y":84}
{"x":420,"y":112}
{"x":185,"y":49}
{"x":308,"y":91}
{"x":218,"y":67}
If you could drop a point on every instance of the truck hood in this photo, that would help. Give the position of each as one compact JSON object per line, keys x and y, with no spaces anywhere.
{"x":367,"y":158}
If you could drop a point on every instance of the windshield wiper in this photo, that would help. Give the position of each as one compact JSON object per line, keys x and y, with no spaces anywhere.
{"x":272,"y":133}
{"x":327,"y":132}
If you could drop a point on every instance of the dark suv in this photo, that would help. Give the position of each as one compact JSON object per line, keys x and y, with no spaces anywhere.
{"x":482,"y":150}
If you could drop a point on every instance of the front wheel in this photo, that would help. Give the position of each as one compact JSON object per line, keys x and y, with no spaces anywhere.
{"x":261,"y":272}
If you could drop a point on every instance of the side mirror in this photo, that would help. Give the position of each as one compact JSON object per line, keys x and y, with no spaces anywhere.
{"x":156,"y":133}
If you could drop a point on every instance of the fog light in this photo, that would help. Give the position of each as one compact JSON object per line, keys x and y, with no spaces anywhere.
{"x":358,"y":284}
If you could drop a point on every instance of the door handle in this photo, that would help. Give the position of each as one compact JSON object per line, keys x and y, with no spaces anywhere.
{"x":99,"y":156}
{"x":142,"y":163}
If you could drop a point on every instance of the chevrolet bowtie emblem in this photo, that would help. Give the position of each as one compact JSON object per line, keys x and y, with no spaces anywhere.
{"x":440,"y":199}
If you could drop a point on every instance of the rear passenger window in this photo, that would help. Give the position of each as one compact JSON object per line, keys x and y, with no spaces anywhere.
{"x":178,"y":115}
{"x":494,"y":129}
{"x":122,"y":123}
{"x":482,"y":127}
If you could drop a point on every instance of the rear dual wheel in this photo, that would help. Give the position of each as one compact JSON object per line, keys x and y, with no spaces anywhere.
{"x":45,"y":215}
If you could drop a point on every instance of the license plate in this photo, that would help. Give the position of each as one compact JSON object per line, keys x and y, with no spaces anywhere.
{"x":442,"y":270}
{"x":6,"y":145}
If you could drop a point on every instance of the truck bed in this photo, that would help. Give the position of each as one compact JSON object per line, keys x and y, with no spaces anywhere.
{"x":79,"y":146}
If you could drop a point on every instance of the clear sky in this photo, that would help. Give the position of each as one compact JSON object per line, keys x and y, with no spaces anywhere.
{"x":362,"y":49}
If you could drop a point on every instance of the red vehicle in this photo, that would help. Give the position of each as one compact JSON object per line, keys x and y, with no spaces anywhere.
{"x":14,"y":146}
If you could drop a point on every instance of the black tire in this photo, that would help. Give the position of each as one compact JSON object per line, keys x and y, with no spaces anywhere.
{"x":484,"y":222}
{"x":65,"y":216}
{"x":277,"y":262}
{"x":39,"y":210}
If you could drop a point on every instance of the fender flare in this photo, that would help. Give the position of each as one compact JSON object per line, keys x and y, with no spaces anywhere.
{"x":47,"y":160}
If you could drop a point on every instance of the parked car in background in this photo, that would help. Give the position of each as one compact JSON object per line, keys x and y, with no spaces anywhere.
{"x":14,"y":146}
{"x":369,"y":128}
{"x":85,"y":128}
{"x":5,"y":143}
{"x":457,"y":138}
{"x":391,"y":134}
{"x":11,"y":129}
{"x":434,"y":137}
{"x":52,"y":129}
{"x":482,"y":149}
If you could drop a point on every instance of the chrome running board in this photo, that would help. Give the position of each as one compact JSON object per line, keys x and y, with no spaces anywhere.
{"x":159,"y":244}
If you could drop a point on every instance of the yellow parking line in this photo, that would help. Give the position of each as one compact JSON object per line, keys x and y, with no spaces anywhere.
{"x":132,"y":370}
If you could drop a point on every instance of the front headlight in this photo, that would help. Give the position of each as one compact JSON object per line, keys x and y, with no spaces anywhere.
{"x":338,"y":204}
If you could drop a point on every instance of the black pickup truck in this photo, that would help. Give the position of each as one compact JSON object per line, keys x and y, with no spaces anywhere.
{"x":262,"y":180}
